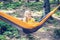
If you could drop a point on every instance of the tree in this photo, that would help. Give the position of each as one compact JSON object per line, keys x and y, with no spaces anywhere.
{"x":37,"y":0}
{"x":58,"y":2}
{"x":46,"y":6}
{"x":27,"y":0}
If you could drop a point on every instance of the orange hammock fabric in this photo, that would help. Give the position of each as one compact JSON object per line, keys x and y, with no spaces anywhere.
{"x":26,"y":25}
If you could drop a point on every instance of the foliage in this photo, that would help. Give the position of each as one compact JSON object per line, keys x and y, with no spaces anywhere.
{"x":8,"y":30}
{"x":3,"y":27}
{"x":52,"y":1}
{"x":58,"y":13}
{"x":2,"y":37}
{"x":34,"y":5}
{"x":37,"y":19}
{"x":11,"y":5}
{"x":1,"y":5}
{"x":30,"y":37}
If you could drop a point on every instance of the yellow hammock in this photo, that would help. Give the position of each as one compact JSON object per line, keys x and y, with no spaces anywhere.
{"x":25,"y":25}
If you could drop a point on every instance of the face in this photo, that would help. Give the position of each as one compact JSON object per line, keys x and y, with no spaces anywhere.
{"x":28,"y":14}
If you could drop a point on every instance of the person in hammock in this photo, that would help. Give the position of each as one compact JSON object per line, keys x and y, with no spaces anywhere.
{"x":28,"y":17}
{"x":30,"y":20}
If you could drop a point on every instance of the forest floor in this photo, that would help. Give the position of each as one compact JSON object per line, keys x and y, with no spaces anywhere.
{"x":42,"y":34}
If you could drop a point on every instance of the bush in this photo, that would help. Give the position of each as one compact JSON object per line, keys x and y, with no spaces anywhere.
{"x":11,"y":5}
{"x":52,"y":2}
{"x":34,"y":5}
{"x":3,"y":27}
{"x":1,"y":5}
{"x":30,"y":37}
{"x":8,"y":30}
{"x":2,"y":37}
{"x":58,"y":13}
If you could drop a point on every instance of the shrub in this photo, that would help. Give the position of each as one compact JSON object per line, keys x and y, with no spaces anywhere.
{"x":34,"y":5}
{"x":1,"y":5}
{"x":2,"y":37}
{"x":3,"y":27}
{"x":11,"y":5}
{"x":8,"y":30}
{"x":58,"y":13}
{"x":31,"y":37}
{"x":52,"y":1}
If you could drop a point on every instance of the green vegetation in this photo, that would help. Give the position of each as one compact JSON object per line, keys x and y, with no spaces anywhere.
{"x":14,"y":5}
{"x":52,"y":1}
{"x":11,"y":5}
{"x":2,"y":37}
{"x":58,"y":13}
{"x":8,"y":30}
{"x":30,"y":37}
{"x":34,"y":5}
{"x":1,"y":5}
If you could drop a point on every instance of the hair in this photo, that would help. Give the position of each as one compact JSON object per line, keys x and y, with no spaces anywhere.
{"x":26,"y":12}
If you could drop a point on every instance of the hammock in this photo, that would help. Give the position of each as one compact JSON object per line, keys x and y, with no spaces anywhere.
{"x":26,"y":26}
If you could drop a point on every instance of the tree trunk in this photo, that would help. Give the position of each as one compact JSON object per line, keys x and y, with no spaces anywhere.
{"x":58,"y":2}
{"x":27,"y":0}
{"x":37,"y":0}
{"x":46,"y":6}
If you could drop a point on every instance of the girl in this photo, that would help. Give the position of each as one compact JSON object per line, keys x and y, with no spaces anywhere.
{"x":28,"y":17}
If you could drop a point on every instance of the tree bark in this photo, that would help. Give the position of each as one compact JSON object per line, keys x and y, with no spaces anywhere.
{"x":37,"y":0}
{"x":46,"y":6}
{"x":58,"y":2}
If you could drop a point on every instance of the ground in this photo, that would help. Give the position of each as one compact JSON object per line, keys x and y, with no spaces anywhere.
{"x":41,"y":34}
